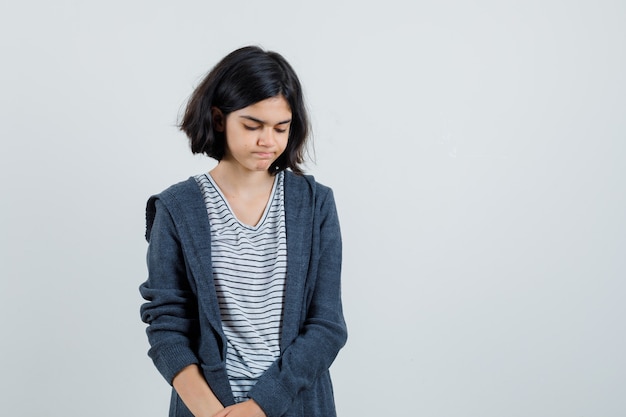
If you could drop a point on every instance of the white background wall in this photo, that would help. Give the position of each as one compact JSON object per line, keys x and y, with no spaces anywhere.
{"x":477,"y":154}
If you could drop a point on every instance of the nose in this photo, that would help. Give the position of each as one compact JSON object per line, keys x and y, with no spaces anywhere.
{"x":267,"y":137}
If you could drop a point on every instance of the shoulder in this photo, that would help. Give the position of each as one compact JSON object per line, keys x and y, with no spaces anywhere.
{"x":173,"y":199}
{"x":180,"y":191}
{"x":305,"y":198}
{"x":301,"y":185}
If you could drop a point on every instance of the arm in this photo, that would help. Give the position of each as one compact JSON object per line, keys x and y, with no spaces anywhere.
{"x":323,"y":331}
{"x":196,"y":393}
{"x":172,"y":316}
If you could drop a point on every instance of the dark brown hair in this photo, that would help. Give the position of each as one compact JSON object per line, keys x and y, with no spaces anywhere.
{"x":244,"y":77}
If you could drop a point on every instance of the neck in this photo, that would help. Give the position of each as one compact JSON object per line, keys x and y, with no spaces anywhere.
{"x":239,"y":181}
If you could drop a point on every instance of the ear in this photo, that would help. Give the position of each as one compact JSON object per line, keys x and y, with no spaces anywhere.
{"x":218,"y":119}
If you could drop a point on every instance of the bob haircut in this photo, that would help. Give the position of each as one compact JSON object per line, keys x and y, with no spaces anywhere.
{"x":244,"y":77}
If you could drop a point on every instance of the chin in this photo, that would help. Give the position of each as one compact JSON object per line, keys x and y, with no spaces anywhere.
{"x":261,"y":167}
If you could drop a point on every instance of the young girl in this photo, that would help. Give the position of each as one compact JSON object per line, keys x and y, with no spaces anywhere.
{"x":243,"y":292}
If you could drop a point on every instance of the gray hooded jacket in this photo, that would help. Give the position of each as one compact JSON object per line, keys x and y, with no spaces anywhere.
{"x":182,"y":311}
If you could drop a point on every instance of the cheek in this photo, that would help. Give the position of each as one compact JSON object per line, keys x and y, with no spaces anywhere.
{"x":285,"y":140}
{"x":238,"y":139}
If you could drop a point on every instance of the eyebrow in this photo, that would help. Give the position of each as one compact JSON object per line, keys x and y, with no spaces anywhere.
{"x":254,"y":119}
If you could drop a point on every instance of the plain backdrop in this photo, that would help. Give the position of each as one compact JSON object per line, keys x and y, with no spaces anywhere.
{"x":477,"y":151}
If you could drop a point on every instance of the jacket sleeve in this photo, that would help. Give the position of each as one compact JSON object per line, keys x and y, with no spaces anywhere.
{"x":171,"y":307}
{"x":323,"y":332}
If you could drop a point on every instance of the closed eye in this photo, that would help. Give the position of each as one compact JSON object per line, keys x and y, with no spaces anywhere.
{"x":250,"y":127}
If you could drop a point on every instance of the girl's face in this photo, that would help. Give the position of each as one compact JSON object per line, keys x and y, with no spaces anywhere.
{"x":256,"y":135}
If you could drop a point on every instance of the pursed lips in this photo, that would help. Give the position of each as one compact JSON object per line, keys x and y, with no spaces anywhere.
{"x":264,"y":155}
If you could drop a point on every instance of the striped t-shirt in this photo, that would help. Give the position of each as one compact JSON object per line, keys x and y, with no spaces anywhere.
{"x":249,"y":271}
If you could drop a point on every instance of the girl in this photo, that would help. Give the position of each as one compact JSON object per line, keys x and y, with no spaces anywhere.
{"x":243,"y":296}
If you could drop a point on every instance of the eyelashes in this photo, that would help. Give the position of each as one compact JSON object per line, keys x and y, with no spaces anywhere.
{"x":253,"y":128}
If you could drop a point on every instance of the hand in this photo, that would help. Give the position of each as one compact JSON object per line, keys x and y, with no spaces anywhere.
{"x":247,"y":408}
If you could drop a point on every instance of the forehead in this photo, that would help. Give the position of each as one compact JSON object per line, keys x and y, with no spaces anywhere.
{"x":271,"y":109}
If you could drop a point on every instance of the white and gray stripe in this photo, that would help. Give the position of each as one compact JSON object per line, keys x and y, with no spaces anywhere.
{"x":249,"y":270}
